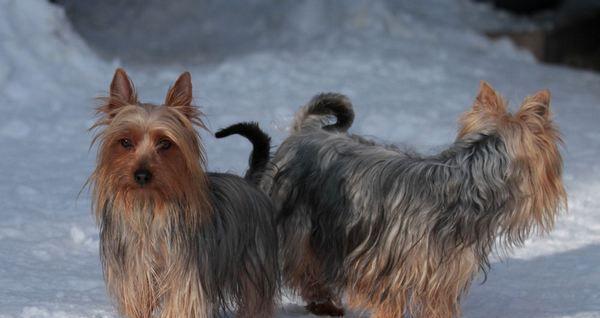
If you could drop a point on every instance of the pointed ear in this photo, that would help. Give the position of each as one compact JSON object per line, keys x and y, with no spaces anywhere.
{"x":537,"y":104}
{"x":122,"y":88}
{"x":488,"y":99}
{"x":542,"y":97}
{"x":122,"y":93}
{"x":180,"y":94}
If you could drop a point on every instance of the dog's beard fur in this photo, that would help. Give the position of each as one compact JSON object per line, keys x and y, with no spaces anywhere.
{"x":158,"y":262}
{"x":150,"y":257}
{"x":186,"y":243}
{"x":403,"y":233}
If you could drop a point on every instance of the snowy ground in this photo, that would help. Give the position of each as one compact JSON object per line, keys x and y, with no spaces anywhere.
{"x":410,"y":73}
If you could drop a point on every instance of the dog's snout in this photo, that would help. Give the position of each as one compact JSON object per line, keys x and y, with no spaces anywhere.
{"x":142,"y":176}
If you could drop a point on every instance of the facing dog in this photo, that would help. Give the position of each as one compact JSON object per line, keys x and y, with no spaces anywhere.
{"x":176,"y":241}
{"x":399,"y":233}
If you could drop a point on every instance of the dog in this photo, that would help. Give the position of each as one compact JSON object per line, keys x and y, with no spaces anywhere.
{"x":403,"y":234}
{"x":176,"y":241}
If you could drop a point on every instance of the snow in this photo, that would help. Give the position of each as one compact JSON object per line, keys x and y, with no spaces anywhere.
{"x":410,"y":67}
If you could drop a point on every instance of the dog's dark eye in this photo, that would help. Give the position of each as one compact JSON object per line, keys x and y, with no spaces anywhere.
{"x":164,"y":144}
{"x":126,"y":143}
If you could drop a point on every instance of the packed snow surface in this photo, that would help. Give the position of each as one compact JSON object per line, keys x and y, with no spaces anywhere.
{"x":410,"y":67}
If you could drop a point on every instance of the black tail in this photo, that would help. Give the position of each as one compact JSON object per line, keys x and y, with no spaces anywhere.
{"x":325,"y":104}
{"x":261,"y":143}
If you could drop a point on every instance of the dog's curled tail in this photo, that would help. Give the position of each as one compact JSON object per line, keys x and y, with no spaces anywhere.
{"x":322,"y":105}
{"x":261,"y":147}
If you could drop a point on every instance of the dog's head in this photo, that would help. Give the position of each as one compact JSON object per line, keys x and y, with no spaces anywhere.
{"x":148,"y":151}
{"x":532,"y":142}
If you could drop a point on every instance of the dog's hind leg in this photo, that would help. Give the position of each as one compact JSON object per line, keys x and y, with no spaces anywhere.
{"x":254,"y":306}
{"x":320,"y":299}
{"x":306,"y":277}
{"x":258,"y":298}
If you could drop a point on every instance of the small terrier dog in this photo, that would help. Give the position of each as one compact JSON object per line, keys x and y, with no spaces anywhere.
{"x":176,"y":241}
{"x":404,"y":234}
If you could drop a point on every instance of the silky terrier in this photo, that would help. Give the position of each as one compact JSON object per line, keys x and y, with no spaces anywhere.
{"x":402,"y":234}
{"x":176,"y":241}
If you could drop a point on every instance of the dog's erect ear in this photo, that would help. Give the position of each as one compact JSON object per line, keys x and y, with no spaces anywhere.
{"x":542,"y":97}
{"x":538,"y":104}
{"x":488,"y":99}
{"x":122,"y":93}
{"x":180,"y":97}
{"x":122,"y":88}
{"x":180,"y":94}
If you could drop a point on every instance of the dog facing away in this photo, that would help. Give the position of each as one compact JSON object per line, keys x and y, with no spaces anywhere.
{"x":399,"y":233}
{"x":176,"y":241}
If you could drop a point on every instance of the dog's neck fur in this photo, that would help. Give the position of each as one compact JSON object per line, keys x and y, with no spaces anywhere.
{"x":144,"y":259}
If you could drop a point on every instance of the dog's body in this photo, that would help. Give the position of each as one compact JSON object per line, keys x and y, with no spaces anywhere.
{"x":399,"y":233}
{"x":175,"y":241}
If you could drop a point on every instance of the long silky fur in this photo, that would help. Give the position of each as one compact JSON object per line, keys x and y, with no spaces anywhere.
{"x":200,"y":270}
{"x":205,"y":248}
{"x":402,"y":233}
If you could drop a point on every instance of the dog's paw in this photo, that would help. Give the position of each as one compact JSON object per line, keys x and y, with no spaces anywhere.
{"x":327,"y":308}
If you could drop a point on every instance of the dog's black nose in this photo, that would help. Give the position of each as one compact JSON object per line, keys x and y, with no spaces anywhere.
{"x":142,"y":176}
